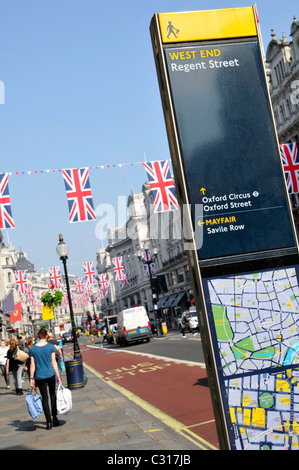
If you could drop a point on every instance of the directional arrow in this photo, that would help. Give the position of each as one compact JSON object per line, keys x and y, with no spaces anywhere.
{"x":200,"y":223}
{"x":203,"y":190}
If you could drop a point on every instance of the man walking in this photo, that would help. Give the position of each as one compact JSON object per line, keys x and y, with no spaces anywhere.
{"x":3,"y":359}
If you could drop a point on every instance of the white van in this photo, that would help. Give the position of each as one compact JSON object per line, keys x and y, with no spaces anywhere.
{"x":132,"y":325}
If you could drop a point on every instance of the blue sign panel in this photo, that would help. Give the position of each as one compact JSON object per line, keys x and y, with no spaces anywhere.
{"x":228,"y":147}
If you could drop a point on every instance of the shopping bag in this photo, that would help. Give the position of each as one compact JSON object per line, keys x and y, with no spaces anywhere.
{"x":34,"y":404}
{"x":21,"y":355}
{"x":63,"y":400}
{"x":62,"y":365}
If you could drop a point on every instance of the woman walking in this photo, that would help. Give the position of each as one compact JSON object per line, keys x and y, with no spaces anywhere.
{"x":14,"y":366}
{"x":43,"y":368}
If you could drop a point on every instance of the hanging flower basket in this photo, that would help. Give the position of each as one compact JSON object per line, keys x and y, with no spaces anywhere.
{"x":52,"y":298}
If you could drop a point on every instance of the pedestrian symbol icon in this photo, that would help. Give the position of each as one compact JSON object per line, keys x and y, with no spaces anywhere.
{"x":172,"y":30}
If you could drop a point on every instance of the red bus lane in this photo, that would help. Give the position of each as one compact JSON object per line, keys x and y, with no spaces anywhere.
{"x":180,"y":390}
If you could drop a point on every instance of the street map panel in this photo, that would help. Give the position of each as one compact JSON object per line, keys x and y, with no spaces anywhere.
{"x":254,"y":321}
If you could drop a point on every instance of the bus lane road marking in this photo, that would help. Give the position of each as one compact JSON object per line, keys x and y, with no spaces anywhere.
{"x":142,"y":370}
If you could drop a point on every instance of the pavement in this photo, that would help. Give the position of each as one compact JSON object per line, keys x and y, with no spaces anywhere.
{"x":102,"y":418}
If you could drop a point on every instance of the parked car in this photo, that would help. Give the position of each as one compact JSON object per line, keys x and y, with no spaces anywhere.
{"x":193,"y":320}
{"x":109,"y":321}
{"x":191,"y":316}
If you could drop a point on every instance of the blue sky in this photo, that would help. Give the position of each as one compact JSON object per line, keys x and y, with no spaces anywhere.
{"x":81,"y":90}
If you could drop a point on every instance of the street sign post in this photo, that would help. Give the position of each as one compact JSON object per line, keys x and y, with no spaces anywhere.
{"x":244,"y":248}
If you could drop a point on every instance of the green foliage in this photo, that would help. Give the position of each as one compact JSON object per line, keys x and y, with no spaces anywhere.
{"x":52,"y":297}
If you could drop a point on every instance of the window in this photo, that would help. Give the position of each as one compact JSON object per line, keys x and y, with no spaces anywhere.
{"x":180,"y":275}
{"x":289,"y":107}
{"x":279,"y":72}
{"x":282,"y":112}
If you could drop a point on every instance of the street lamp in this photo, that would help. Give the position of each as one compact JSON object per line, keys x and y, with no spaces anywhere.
{"x":147,"y":259}
{"x":62,"y":250}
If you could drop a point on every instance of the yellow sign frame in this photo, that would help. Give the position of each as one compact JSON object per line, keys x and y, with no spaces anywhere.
{"x":207,"y":24}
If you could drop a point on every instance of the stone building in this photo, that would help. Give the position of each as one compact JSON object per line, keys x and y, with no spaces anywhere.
{"x":167,"y":283}
{"x":282,"y":66}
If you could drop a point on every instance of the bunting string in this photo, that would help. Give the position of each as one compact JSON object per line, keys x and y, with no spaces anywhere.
{"x":57,"y":170}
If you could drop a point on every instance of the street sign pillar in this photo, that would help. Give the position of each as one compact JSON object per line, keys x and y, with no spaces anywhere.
{"x":242,"y":247}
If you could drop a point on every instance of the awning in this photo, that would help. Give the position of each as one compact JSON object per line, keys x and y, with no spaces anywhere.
{"x":161,"y":301}
{"x":178,"y":299}
{"x":169,"y":300}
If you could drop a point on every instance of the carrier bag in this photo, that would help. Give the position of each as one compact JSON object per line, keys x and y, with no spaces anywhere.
{"x":21,"y":355}
{"x":34,"y":404}
{"x":63,"y":400}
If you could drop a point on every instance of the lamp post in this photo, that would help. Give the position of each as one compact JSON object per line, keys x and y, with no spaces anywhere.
{"x":62,"y":250}
{"x":148,"y":261}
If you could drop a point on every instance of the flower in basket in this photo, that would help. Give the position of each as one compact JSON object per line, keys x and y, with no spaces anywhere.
{"x":52,"y":298}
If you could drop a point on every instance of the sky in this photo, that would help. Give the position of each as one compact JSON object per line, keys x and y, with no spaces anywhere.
{"x":81,"y":90}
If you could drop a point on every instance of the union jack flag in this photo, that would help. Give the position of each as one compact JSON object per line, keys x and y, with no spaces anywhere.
{"x":162,"y":186}
{"x":103,"y":281}
{"x":79,"y":195}
{"x":120,"y":272}
{"x":101,"y":293}
{"x":55,"y":276}
{"x":147,"y":256}
{"x":146,"y":269}
{"x":126,"y":282}
{"x":30,"y":295}
{"x":79,"y":285}
{"x":89,"y":272}
{"x":88,"y":290}
{"x":6,"y":220}
{"x":290,"y":160}
{"x":21,"y":281}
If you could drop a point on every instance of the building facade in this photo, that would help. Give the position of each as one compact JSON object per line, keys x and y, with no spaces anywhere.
{"x":163,"y":284}
{"x":36,"y":283}
{"x":282,"y":66}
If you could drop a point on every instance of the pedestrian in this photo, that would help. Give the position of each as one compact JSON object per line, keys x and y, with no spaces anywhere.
{"x":3,"y":359}
{"x":102,"y":336}
{"x":54,"y":341}
{"x":58,"y":353}
{"x":28,"y":345}
{"x":15,"y":366}
{"x":43,"y":369}
{"x":113,"y":332}
{"x":183,"y":325}
{"x":21,"y":342}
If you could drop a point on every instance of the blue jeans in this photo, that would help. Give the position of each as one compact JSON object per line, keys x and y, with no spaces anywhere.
{"x":17,"y":376}
{"x":5,"y":375}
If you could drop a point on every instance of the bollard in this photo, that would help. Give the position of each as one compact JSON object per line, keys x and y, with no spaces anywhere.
{"x":74,"y":374}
